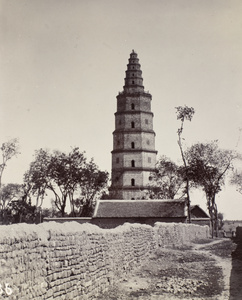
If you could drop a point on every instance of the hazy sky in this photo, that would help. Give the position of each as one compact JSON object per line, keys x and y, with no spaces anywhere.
{"x":63,"y":64}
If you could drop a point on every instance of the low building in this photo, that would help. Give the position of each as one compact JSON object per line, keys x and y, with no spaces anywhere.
{"x":112,"y":213}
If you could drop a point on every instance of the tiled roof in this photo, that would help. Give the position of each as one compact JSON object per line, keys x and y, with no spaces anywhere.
{"x":198,"y":212}
{"x":140,"y":208}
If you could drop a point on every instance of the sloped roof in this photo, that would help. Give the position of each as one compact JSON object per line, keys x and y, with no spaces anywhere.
{"x":198,"y":212}
{"x":140,"y":208}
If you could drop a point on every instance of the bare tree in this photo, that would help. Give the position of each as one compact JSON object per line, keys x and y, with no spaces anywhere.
{"x":9,"y":149}
{"x":184,"y":113}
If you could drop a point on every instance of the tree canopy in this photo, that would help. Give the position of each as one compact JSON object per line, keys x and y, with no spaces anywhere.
{"x":8,"y":192}
{"x":69,"y":177}
{"x":236,"y":180}
{"x":8,"y":149}
{"x":168,"y":180}
{"x":208,"y":166}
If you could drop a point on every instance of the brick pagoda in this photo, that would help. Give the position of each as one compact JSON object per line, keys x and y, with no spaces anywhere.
{"x":134,"y":154}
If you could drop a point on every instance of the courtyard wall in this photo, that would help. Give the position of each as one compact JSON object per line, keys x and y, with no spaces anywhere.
{"x":78,"y":261}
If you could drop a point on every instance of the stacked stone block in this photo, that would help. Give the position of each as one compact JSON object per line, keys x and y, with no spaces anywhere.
{"x":78,"y":261}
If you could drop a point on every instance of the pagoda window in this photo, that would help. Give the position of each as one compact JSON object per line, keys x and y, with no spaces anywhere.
{"x":132,"y":81}
{"x":133,"y":182}
{"x":132,"y":145}
{"x":132,"y":125}
{"x":132,"y":106}
{"x":133,"y":163}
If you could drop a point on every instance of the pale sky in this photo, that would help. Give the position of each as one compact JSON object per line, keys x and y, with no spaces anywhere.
{"x":63,"y":64}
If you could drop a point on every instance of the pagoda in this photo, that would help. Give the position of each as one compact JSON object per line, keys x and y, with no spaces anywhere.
{"x":134,"y":154}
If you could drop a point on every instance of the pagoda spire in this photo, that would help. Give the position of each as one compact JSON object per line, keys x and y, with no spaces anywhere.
{"x":133,"y":81}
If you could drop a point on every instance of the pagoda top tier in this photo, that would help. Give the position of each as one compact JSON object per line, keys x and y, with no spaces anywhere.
{"x":133,"y":81}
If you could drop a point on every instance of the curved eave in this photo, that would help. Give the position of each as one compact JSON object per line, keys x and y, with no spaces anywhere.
{"x":133,"y":150}
{"x":135,"y":131}
{"x":133,"y":112}
{"x":125,"y":94}
{"x":124,"y":169}
{"x":129,"y":187}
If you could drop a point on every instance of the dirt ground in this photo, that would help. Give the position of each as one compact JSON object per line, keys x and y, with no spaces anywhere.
{"x":210,"y":270}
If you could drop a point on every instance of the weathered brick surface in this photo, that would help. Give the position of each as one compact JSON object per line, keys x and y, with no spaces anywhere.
{"x":77,"y":261}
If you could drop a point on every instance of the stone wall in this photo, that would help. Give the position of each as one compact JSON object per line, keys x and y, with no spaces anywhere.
{"x":78,"y":261}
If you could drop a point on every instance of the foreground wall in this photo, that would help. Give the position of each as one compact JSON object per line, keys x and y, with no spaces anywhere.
{"x":78,"y":261}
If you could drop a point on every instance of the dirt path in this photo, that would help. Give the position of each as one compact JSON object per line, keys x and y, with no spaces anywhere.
{"x":224,"y":262}
{"x":198,"y":271}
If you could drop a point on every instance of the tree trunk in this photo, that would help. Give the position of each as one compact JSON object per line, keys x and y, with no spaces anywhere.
{"x":188,"y":203}
{"x":73,"y":213}
{"x":87,"y":210}
{"x":62,"y":210}
{"x":187,"y":181}
{"x":210,"y":210}
{"x":215,"y":218}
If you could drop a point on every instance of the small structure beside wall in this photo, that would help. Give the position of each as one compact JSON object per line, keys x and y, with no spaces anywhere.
{"x":199,"y":216}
